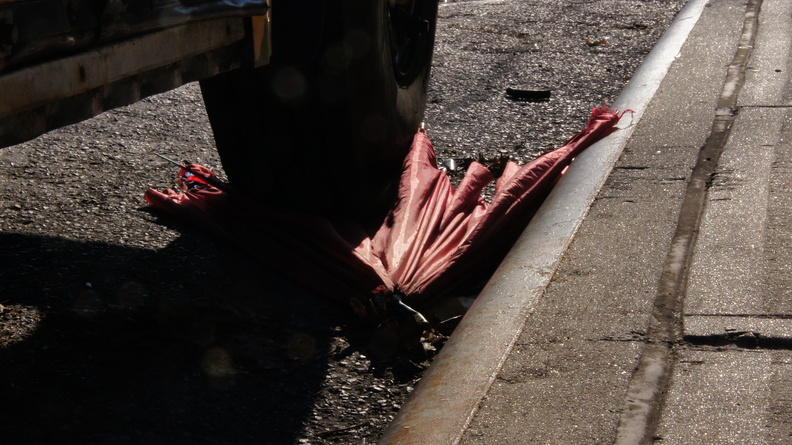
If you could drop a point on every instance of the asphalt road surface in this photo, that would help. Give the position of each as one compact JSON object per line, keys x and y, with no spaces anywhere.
{"x":119,"y":325}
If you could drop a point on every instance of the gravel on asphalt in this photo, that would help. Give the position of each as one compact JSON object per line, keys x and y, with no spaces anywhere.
{"x":120,"y":325}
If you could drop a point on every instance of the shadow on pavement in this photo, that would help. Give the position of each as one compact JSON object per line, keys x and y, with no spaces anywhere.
{"x":193,"y":344}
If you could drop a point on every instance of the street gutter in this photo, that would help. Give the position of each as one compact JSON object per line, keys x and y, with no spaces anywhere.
{"x":447,"y":398}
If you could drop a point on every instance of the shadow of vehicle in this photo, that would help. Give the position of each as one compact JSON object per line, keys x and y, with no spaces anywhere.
{"x":193,"y":344}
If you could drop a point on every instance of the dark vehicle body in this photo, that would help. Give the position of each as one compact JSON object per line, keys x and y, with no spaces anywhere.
{"x":334,"y":88}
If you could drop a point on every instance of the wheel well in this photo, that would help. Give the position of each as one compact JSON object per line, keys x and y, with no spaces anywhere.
{"x":297,"y":45}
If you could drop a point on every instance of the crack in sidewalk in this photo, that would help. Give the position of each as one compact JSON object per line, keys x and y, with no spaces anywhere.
{"x":740,"y":339}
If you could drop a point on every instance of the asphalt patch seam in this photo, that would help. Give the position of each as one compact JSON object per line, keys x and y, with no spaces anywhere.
{"x":650,"y":380}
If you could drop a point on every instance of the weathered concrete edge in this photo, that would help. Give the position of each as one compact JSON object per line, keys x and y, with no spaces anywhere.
{"x":447,"y":398}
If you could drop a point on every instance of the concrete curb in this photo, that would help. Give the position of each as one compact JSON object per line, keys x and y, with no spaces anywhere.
{"x":446,"y":399}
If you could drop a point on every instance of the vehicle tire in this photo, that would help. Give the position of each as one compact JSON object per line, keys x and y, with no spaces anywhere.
{"x":328,"y":134}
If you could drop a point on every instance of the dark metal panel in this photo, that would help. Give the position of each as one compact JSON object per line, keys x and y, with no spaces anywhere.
{"x":45,"y":96}
{"x":120,"y":21}
{"x":32,"y":31}
{"x":43,"y":28}
{"x":297,"y":45}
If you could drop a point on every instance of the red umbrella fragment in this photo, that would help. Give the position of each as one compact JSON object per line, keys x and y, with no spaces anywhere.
{"x":434,"y":241}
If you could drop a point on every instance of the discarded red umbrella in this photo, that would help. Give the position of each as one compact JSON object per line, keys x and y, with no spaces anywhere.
{"x":434,"y":240}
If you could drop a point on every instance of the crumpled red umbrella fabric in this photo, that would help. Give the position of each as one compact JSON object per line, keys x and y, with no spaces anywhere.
{"x":435,"y":240}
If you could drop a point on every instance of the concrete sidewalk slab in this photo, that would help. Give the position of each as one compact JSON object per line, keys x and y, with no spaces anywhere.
{"x":719,"y":398}
{"x":733,"y":230}
{"x":734,"y":251}
{"x":732,"y":383}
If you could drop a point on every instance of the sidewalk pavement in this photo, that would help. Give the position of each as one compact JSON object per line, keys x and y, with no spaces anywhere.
{"x":649,"y":300}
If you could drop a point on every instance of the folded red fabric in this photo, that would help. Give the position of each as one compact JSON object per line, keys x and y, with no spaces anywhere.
{"x":435,"y":240}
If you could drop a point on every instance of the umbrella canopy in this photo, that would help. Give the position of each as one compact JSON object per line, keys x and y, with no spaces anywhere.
{"x":435,"y":239}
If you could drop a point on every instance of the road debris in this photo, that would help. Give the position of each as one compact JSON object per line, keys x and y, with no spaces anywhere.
{"x":528,"y":95}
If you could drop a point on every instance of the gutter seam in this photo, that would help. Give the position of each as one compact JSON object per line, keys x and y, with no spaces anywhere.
{"x":650,"y":381}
